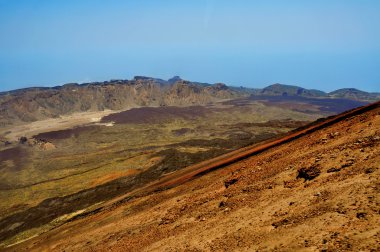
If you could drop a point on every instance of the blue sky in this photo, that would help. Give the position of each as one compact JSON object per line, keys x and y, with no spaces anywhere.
{"x":315,"y":44}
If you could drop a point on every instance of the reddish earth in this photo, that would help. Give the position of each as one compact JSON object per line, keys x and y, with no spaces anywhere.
{"x":316,"y":189}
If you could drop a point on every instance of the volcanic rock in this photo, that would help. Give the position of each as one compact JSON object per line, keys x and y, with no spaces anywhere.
{"x":308,"y":173}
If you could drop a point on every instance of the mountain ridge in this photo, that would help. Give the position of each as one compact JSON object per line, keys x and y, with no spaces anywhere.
{"x":32,"y":104}
{"x":273,"y":87}
{"x":36,"y":103}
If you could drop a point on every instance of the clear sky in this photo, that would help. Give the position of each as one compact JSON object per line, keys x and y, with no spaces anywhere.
{"x":324,"y":44}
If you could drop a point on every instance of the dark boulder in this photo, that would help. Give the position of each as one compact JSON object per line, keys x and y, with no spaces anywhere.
{"x":308,"y":173}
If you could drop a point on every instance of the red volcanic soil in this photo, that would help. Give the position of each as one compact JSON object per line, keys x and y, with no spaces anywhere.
{"x":316,"y":189}
{"x":155,"y":114}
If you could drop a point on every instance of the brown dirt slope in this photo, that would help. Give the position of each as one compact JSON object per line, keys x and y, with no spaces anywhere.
{"x":319,"y":192}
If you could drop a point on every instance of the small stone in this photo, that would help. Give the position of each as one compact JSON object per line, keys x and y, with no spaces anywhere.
{"x":222,"y":204}
{"x":308,"y":173}
{"x":347,"y":164}
{"x":280,"y":223}
{"x":361,"y":215}
{"x":333,"y":170}
{"x":369,"y":170}
{"x":229,"y":182}
{"x":23,"y":140}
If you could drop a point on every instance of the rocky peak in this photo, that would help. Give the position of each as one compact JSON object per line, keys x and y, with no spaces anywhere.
{"x":142,"y":78}
{"x":174,"y":79}
{"x":220,"y":86}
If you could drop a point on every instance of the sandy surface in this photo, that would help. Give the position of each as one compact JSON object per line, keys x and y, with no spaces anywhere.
{"x":63,"y":122}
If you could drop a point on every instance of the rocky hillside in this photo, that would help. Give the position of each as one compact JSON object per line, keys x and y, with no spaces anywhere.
{"x":33,"y":104}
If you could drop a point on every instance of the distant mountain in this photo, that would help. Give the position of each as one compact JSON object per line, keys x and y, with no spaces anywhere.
{"x":288,"y":90}
{"x":355,"y":94}
{"x":174,"y":79}
{"x":33,"y":104}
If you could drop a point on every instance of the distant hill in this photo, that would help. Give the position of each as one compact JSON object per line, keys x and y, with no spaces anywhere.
{"x":353,"y":93}
{"x":288,"y":90}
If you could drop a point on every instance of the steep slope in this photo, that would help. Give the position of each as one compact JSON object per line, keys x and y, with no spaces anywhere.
{"x":287,"y":198}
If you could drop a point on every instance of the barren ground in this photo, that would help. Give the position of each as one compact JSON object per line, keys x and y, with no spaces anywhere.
{"x":319,"y":192}
{"x":62,"y":174}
